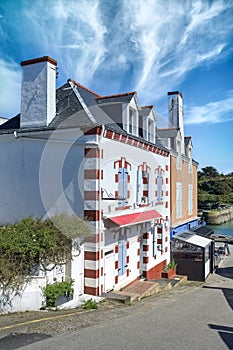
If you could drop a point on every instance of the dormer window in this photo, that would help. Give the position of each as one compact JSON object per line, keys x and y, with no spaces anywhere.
{"x":132,"y":122}
{"x":151,"y":130}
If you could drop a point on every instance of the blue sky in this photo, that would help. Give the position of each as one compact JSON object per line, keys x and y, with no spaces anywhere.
{"x":151,"y":46}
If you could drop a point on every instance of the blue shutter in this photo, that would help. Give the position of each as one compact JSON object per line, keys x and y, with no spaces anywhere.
{"x":150,"y":187}
{"x":154,"y":238}
{"x":120,"y":266}
{"x":159,"y":187}
{"x":122,"y":187}
{"x":139,"y":186}
{"x":122,"y":253}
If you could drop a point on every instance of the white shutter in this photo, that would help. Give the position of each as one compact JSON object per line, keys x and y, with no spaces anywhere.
{"x":181,"y":195}
{"x":190,"y":199}
{"x":178,"y":200}
{"x":159,"y":187}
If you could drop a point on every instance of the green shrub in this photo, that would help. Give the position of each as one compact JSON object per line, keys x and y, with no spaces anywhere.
{"x":53,"y":291}
{"x":89,"y":304}
{"x":170,"y":265}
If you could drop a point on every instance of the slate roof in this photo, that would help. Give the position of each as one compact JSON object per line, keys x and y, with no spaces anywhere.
{"x":71,"y":114}
{"x":187,"y":140}
{"x":204,"y":231}
{"x":170,"y":132}
{"x":13,"y":123}
{"x":123,"y":98}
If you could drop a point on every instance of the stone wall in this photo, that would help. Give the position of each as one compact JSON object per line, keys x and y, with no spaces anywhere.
{"x":218,"y":217}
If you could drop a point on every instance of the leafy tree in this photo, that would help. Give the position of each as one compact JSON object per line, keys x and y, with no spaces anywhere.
{"x":210,"y":171}
{"x":214,"y":189}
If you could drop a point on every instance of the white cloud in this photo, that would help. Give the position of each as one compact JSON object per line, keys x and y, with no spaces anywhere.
{"x":10,"y":82}
{"x":214,"y":112}
{"x":174,"y":37}
{"x":73,"y":32}
{"x":143,"y":45}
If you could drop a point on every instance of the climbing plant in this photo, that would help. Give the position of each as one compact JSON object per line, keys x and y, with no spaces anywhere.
{"x":32,"y":244}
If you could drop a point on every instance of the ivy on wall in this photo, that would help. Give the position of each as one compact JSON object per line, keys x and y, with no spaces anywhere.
{"x":31,"y":244}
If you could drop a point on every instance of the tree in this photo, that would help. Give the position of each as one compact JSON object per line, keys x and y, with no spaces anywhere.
{"x":210,"y":171}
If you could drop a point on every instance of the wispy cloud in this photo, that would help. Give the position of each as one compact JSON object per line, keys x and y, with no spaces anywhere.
{"x":214,"y":112}
{"x":73,"y":32}
{"x":143,"y":45}
{"x":172,"y":38}
{"x":10,"y":83}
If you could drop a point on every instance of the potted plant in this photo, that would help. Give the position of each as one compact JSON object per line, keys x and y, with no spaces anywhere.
{"x":170,"y":270}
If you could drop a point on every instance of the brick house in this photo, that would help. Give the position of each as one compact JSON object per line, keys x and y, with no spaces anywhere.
{"x":183,"y":169}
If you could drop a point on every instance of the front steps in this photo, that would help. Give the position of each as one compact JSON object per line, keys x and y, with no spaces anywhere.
{"x":144,"y":288}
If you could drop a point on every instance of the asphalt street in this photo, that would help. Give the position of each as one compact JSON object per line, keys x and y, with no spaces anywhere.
{"x":199,"y":318}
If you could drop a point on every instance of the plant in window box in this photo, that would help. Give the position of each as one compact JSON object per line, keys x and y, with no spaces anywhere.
{"x":169,"y":270}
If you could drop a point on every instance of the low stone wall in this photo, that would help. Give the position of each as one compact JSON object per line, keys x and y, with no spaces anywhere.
{"x":218,"y":217}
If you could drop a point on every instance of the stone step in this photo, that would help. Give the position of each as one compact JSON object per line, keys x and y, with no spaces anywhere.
{"x":144,"y":288}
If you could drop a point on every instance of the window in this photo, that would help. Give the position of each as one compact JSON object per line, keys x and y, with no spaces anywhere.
{"x":151,"y":131}
{"x":143,"y":185}
{"x":190,"y":199}
{"x":178,"y":200}
{"x":132,"y":122}
{"x":122,"y":187}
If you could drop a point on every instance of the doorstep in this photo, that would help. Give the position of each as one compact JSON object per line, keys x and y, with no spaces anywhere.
{"x":144,"y":288}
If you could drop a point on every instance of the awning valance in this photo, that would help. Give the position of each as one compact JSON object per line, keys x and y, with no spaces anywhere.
{"x":131,"y":219}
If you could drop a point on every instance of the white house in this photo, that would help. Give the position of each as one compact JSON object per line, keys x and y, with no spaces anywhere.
{"x":73,"y":151}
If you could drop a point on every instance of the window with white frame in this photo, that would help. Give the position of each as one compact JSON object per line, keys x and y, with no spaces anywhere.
{"x":143,"y":186}
{"x":190,"y":199}
{"x":151,"y":130}
{"x":131,"y":121}
{"x":133,"y":124}
{"x":178,"y":200}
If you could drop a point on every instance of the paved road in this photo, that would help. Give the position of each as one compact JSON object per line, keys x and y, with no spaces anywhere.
{"x":199,"y":318}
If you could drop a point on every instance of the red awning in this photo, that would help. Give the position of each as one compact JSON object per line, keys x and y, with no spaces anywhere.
{"x":131,"y":219}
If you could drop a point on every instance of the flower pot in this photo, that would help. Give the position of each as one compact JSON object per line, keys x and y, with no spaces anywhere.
{"x":169,"y":274}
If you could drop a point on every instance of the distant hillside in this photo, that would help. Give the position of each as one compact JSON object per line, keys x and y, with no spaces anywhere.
{"x":214,"y":190}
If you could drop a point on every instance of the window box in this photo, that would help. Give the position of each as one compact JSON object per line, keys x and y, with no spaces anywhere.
{"x":169,"y":274}
{"x":170,"y":270}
